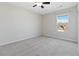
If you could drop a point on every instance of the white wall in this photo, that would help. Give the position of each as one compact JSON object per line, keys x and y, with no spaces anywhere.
{"x":17,"y":24}
{"x":49,"y":24}
{"x":78,"y":24}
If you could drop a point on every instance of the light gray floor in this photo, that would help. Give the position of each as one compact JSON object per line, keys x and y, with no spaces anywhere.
{"x":41,"y":46}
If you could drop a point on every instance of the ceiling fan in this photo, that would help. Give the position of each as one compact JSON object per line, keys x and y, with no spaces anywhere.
{"x":41,"y":4}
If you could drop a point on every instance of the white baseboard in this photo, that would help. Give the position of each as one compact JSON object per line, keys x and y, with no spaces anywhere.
{"x":35,"y":37}
{"x":61,"y":39}
{"x":18,"y":40}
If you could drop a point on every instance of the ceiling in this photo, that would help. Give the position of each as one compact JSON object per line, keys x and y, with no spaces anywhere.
{"x":54,"y":6}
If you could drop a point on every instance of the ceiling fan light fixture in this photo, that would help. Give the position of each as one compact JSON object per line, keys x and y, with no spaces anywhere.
{"x":38,"y":4}
{"x":41,"y":4}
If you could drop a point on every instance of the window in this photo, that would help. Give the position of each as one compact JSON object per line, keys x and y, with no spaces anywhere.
{"x":62,"y":23}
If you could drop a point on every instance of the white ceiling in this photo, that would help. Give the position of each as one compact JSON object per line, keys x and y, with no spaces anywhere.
{"x":47,"y":8}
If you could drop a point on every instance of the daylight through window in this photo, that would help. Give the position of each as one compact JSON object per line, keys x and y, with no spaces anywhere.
{"x":62,"y":23}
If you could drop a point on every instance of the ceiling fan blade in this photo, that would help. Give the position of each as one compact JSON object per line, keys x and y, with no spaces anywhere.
{"x":46,"y":2}
{"x":42,"y":6}
{"x":35,"y":5}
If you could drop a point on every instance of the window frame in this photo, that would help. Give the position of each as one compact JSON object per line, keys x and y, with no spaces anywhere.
{"x":65,"y":14}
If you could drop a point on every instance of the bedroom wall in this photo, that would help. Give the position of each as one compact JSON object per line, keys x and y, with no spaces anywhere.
{"x":78,"y":24}
{"x":50,"y":29}
{"x":18,"y":24}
